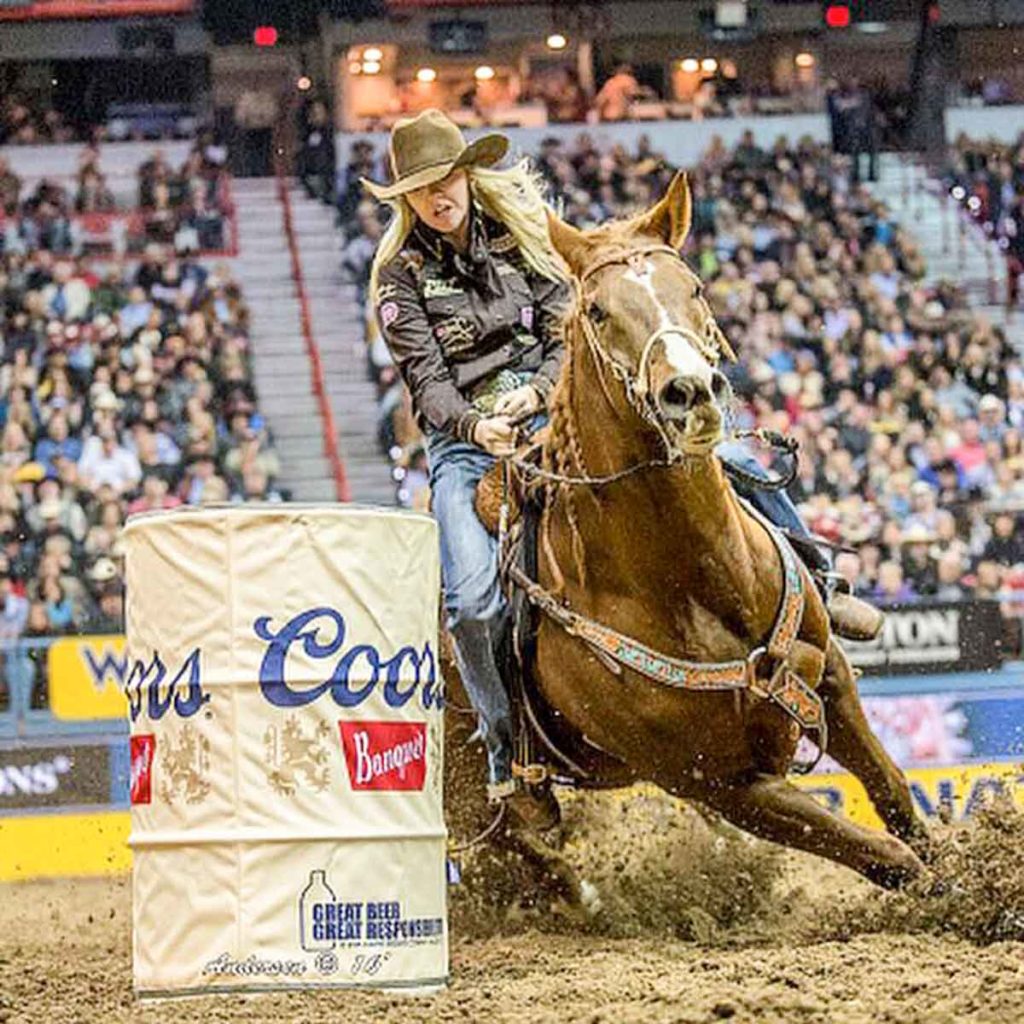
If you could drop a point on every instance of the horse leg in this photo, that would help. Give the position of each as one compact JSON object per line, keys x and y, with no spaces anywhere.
{"x":769,"y":807}
{"x":858,"y":750}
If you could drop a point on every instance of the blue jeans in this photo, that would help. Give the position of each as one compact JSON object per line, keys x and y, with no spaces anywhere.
{"x":777,"y":506}
{"x":474,"y":604}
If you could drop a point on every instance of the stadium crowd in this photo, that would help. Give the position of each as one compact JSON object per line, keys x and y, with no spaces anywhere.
{"x":123,"y":388}
{"x":987,"y":179}
{"x":909,"y":408}
{"x":188,"y":205}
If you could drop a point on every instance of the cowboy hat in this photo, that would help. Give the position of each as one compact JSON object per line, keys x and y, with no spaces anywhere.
{"x":426,"y":148}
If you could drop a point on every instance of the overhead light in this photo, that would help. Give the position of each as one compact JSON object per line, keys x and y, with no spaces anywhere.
{"x":556,"y":41}
{"x":872,"y":28}
{"x":426,"y":75}
{"x":691,"y":65}
{"x":804,"y":60}
{"x":373,"y":53}
{"x":484,"y":73}
{"x":371,"y":67}
{"x":355,"y":68}
{"x":304,"y":84}
{"x":709,"y":65}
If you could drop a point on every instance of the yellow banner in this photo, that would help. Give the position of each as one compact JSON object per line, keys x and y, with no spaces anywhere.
{"x":64,"y":845}
{"x":955,"y":792}
{"x":87,"y":676}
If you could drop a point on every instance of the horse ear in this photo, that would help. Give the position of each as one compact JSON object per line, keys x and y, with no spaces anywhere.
{"x":570,"y":243}
{"x":670,"y":218}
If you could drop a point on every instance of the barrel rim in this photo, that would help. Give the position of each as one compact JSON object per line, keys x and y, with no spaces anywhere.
{"x":192,"y":511}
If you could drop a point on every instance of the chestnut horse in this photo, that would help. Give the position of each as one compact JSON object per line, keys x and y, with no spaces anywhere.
{"x":645,"y":548}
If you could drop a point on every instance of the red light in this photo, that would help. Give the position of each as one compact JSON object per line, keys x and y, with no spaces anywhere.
{"x":265,"y":35}
{"x":934,"y":14}
{"x":837,"y":16}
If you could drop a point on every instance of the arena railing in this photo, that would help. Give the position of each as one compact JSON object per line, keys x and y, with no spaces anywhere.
{"x":327,"y":421}
{"x":25,"y":675}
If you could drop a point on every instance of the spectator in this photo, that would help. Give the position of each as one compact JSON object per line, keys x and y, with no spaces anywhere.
{"x":13,"y":611}
{"x":613,"y":100}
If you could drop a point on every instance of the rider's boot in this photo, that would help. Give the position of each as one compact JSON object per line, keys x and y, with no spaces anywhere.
{"x":851,"y":618}
{"x":475,"y":645}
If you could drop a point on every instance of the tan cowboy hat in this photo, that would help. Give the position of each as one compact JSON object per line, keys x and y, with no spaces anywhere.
{"x":427,"y":148}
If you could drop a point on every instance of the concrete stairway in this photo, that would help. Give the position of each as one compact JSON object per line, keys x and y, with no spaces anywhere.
{"x":953,"y":250}
{"x":281,"y":366}
{"x":338,"y":329}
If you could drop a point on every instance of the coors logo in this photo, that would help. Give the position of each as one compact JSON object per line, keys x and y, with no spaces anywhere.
{"x":385,"y":755}
{"x":143,"y":748}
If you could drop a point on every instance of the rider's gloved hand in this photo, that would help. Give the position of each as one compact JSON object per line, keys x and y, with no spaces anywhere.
{"x":496,"y":435}
{"x":519,"y":403}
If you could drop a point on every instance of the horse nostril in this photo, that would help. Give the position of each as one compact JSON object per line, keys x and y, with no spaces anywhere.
{"x":677,"y":395}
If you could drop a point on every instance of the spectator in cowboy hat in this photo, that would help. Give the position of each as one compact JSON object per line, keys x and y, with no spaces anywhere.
{"x":917,"y":563}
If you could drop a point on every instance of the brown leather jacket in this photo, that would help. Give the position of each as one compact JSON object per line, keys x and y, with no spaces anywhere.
{"x":454,"y":321}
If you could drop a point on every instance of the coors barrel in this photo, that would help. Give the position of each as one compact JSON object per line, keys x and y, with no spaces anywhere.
{"x":286,"y":749}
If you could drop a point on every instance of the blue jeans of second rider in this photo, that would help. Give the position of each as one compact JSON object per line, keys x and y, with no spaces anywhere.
{"x":475,"y":607}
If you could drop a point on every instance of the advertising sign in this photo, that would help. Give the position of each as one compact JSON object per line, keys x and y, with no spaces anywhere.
{"x":87,"y":676}
{"x":931,"y":637}
{"x":286,"y":749}
{"x":55,"y":776}
{"x":950,"y":793}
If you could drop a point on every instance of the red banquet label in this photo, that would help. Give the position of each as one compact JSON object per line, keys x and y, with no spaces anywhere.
{"x":385,"y":755}
{"x":143,"y":748}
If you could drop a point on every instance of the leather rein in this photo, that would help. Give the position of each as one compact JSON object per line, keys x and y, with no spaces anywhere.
{"x":766,"y":671}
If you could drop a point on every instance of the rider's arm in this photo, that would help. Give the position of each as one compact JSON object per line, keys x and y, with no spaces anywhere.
{"x":417,"y":354}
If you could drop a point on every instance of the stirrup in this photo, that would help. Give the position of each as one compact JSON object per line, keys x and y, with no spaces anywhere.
{"x":499,"y":791}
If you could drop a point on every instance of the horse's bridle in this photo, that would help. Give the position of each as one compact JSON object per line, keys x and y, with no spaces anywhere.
{"x":638,"y":386}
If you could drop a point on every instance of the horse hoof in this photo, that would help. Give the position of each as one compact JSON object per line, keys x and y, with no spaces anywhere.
{"x":534,"y":808}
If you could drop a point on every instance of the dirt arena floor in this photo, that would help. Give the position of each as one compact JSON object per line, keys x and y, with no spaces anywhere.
{"x":697,"y":924}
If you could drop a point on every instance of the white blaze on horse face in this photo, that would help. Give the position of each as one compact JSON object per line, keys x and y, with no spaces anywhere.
{"x":679,"y":353}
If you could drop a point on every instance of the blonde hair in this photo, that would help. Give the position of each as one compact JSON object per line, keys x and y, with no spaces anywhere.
{"x":514,"y":196}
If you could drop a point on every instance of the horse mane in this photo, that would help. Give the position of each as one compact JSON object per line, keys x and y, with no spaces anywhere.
{"x":562,"y":452}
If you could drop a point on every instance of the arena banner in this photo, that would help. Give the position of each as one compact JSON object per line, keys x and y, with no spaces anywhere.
{"x":930,"y":730}
{"x":87,"y":676}
{"x":53,"y":10}
{"x":930,"y":637}
{"x":32,"y":778}
{"x":286,"y":749}
{"x":64,"y":845}
{"x":951,"y":793}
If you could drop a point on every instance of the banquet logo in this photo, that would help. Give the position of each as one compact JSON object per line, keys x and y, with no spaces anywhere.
{"x":143,"y":747}
{"x":385,"y":755}
{"x":357,"y":673}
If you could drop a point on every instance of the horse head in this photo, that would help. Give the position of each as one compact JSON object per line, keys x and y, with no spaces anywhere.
{"x":642,"y":314}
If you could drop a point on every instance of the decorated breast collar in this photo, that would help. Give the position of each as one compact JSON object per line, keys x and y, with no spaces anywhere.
{"x":765,"y":672}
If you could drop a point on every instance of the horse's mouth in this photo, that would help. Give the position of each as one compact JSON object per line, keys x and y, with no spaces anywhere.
{"x":700,"y":431}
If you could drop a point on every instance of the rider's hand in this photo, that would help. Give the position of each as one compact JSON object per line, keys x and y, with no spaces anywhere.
{"x":520,"y":403}
{"x":496,"y":435}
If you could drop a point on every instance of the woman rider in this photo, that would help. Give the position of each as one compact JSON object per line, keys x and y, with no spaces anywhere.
{"x":469,"y":296}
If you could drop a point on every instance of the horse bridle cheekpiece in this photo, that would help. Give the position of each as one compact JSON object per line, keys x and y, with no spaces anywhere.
{"x":638,"y":385}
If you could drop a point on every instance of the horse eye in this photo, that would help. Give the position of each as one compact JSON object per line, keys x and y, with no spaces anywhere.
{"x":596,"y":314}
{"x":698,"y":291}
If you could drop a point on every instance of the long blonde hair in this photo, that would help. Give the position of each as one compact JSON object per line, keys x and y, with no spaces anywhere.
{"x":513,"y":196}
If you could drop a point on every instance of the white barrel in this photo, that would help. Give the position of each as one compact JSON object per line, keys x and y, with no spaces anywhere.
{"x":286,"y":749}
